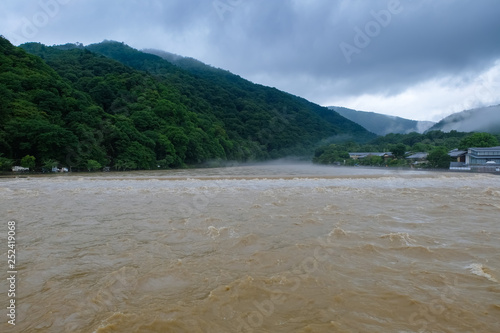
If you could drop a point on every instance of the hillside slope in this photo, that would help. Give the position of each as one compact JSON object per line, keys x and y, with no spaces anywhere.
{"x":231,"y":96}
{"x":34,"y":100}
{"x":476,"y":120}
{"x":75,"y":107}
{"x":381,"y":124}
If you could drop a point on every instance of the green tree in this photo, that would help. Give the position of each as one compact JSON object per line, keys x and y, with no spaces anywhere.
{"x":28,"y":161}
{"x":125,"y":165}
{"x":420,"y":147}
{"x":479,"y":139}
{"x":49,"y":164}
{"x":398,"y":162}
{"x":5,"y":163}
{"x":372,"y":160}
{"x":398,"y":150}
{"x":93,"y":165}
{"x":330,"y":154}
{"x":439,"y":158}
{"x":137,"y":156}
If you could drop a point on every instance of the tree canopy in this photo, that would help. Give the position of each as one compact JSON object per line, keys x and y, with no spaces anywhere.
{"x":479,"y":139}
{"x":115,"y":106}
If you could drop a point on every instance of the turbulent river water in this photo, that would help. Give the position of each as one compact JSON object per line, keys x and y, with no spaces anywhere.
{"x":264,"y":248}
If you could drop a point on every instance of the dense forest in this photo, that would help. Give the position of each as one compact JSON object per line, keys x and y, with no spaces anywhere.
{"x":107,"y":104}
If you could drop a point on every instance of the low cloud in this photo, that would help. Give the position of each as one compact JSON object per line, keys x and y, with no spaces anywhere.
{"x":395,"y":63}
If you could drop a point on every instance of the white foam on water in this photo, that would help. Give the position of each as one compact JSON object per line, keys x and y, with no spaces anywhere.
{"x":403,"y":237}
{"x":478,"y":269}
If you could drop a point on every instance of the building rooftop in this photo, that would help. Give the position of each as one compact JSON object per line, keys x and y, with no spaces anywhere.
{"x":486,"y":148}
{"x":371,"y":153}
{"x":457,"y":153}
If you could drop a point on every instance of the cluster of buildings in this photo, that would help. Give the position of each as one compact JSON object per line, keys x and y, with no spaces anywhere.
{"x":472,"y":159}
{"x":477,"y":159}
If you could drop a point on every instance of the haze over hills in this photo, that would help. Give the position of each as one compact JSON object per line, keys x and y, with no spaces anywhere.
{"x":381,"y":124}
{"x":184,"y":62}
{"x":485,"y":119}
{"x":108,"y":104}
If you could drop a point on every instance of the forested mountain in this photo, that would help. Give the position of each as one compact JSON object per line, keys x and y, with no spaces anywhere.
{"x":242,"y":105}
{"x":110,"y":105}
{"x":476,"y":120}
{"x":34,"y":102}
{"x":381,"y":124}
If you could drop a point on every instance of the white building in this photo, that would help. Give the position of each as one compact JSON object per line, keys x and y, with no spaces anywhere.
{"x":483,"y":156}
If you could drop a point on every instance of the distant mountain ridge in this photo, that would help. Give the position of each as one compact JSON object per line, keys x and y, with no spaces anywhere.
{"x":485,"y":119}
{"x":381,"y":124}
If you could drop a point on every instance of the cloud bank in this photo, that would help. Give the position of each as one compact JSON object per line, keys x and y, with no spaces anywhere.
{"x":418,"y":59}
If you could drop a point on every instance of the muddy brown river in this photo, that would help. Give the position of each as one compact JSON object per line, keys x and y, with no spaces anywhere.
{"x":263,"y":248}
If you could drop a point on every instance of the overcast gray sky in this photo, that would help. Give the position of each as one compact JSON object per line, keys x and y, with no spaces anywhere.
{"x":418,"y":59}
